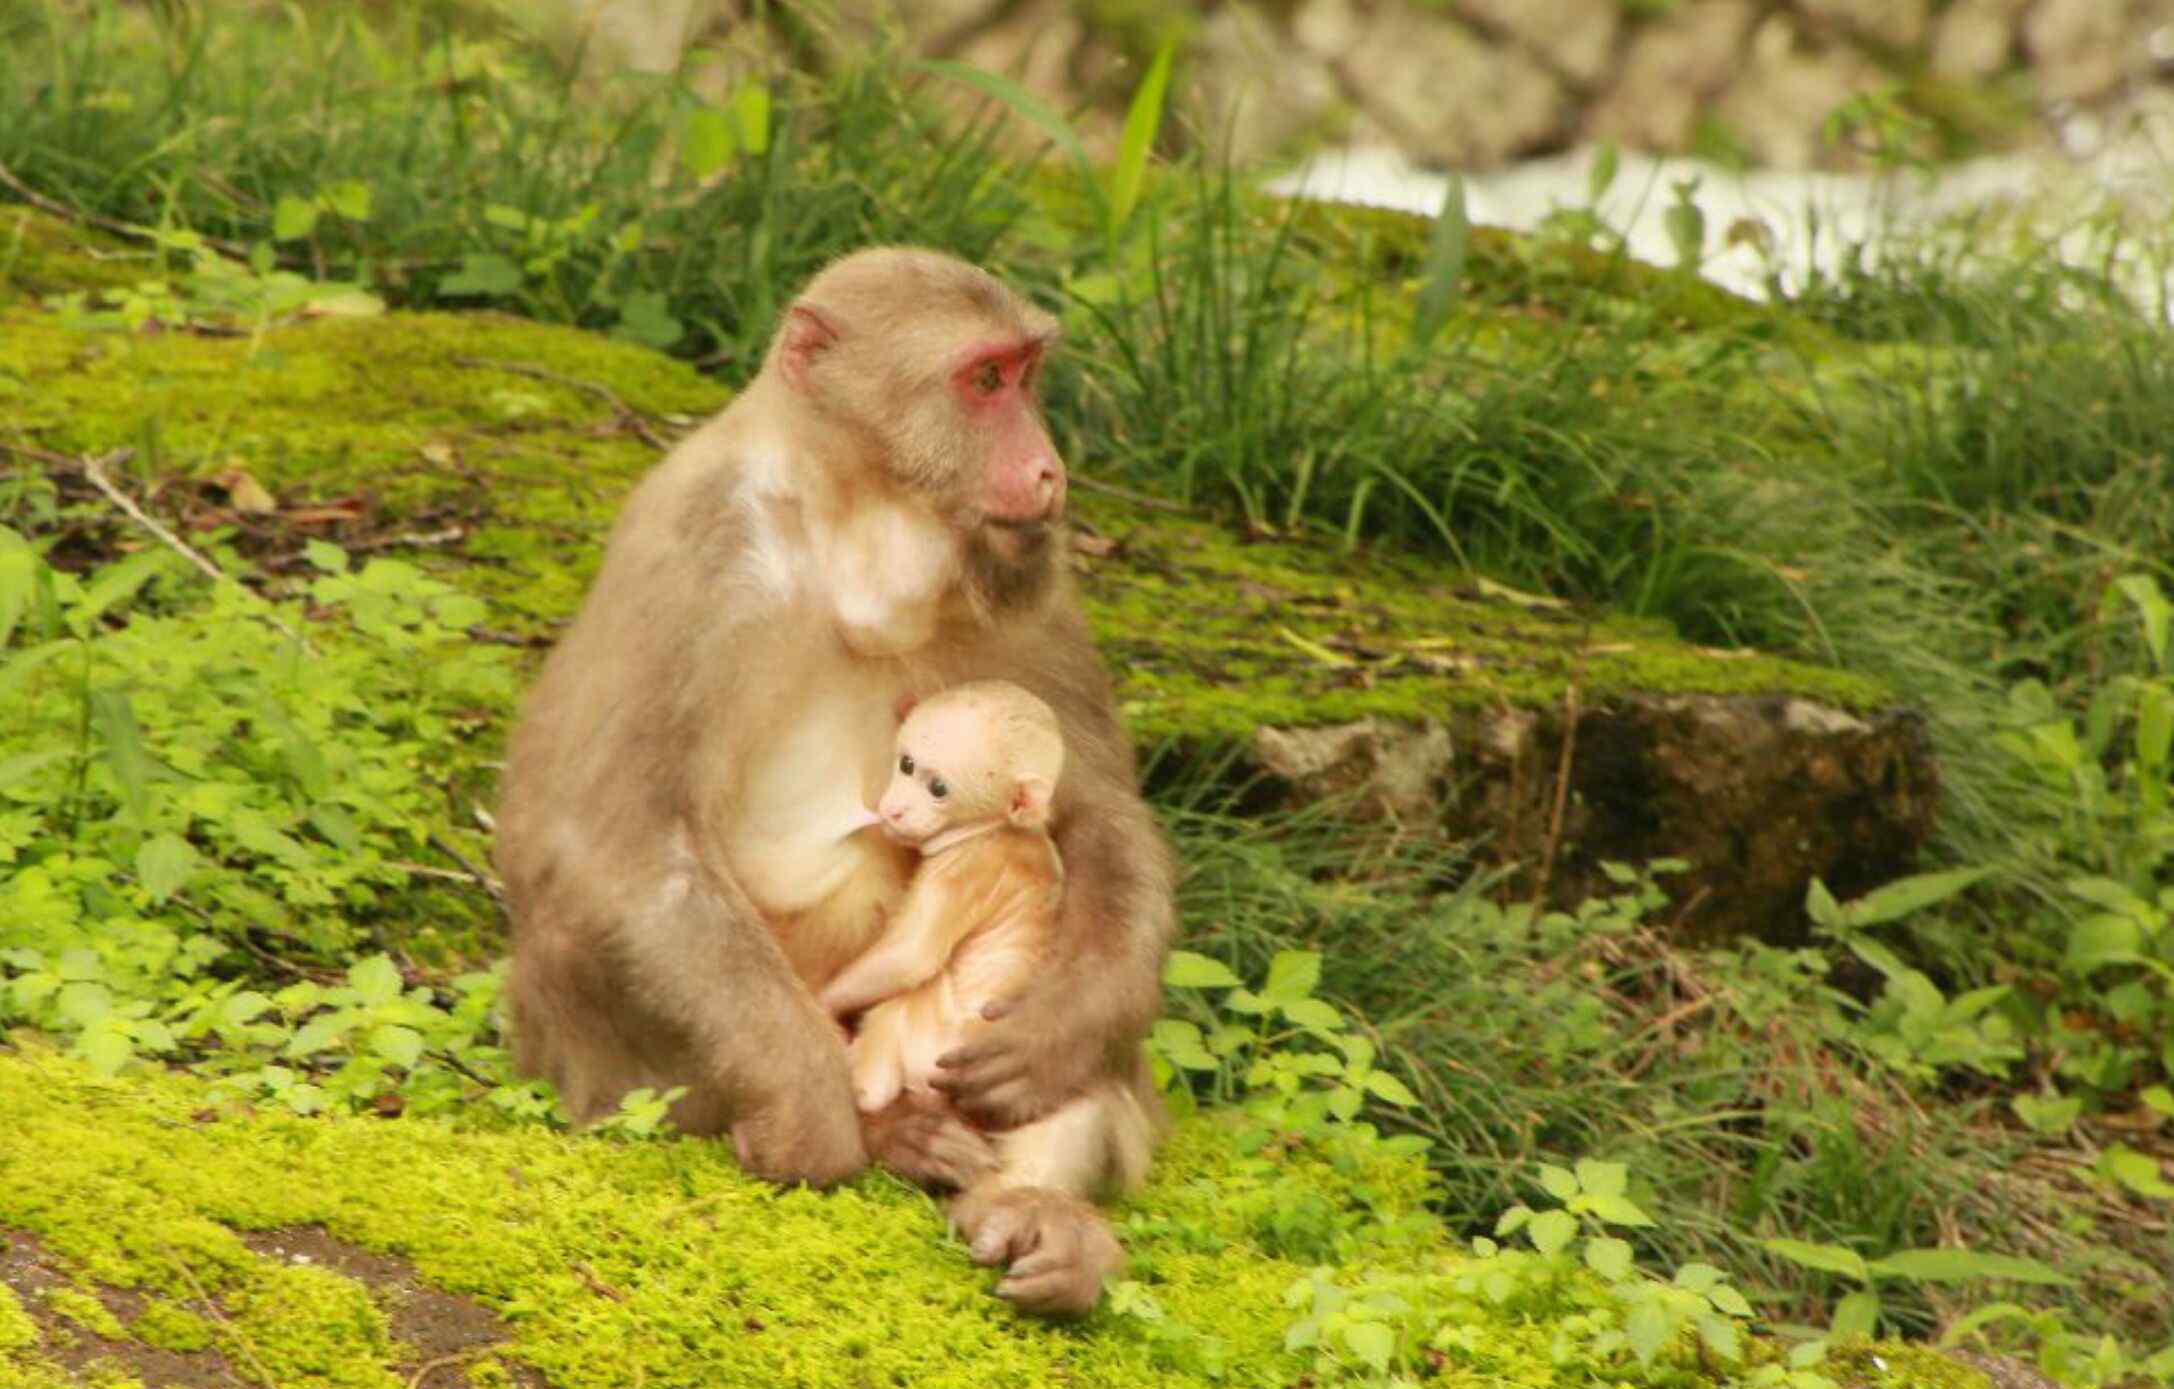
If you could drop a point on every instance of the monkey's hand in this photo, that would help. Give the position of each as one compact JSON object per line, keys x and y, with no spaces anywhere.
{"x":1056,"y":1248}
{"x":1018,"y":1066}
{"x":922,"y":1139}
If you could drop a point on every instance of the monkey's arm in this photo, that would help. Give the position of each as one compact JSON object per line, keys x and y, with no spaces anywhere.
{"x":912,"y":950}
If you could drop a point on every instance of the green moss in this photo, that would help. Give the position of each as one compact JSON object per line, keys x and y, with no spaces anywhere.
{"x":17,"y":1330}
{"x":169,"y":1326}
{"x":1210,"y":634}
{"x":42,"y":255}
{"x":85,"y":1311}
{"x":610,"y":1263}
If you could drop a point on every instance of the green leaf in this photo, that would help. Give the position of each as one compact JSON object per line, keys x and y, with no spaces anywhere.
{"x":84,"y":1004}
{"x":2153,"y":607}
{"x":1597,"y":1178}
{"x":1686,"y":225}
{"x":484,"y":273}
{"x":1964,"y":1265}
{"x":18,"y":583}
{"x":1721,"y":1336}
{"x":2054,"y":1114}
{"x":751,"y":117}
{"x":1552,"y":1231}
{"x":1820,"y":906}
{"x":403,"y":1046}
{"x":2154,"y":728}
{"x":706,"y":142}
{"x":107,"y":1049}
{"x":1312,"y":1012}
{"x":1446,"y":251}
{"x":1512,"y":1220}
{"x":2139,"y":1172}
{"x":376,"y":978}
{"x":2157,"y":1098}
{"x":1387,"y":1087}
{"x":164,"y":863}
{"x":14,"y":769}
{"x":350,"y":197}
{"x":1607,"y":160}
{"x":1609,"y":1257}
{"x":1373,"y":1342}
{"x":319,"y":1033}
{"x":645,"y":316}
{"x":1698,"y":1277}
{"x":1828,"y":1258}
{"x":1730,"y":1301}
{"x":1856,"y":1315}
{"x":117,"y":583}
{"x":337,"y":826}
{"x":1188,"y":970}
{"x":325,"y":555}
{"x":1907,"y":896}
{"x":1293,"y":974}
{"x":1558,"y":1182}
{"x":1646,"y":1330}
{"x":1142,"y":120}
{"x":293,"y":218}
{"x":1618,"y":1210}
{"x":122,"y":742}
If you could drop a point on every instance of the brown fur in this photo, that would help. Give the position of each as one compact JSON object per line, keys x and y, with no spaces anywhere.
{"x":796,"y":567}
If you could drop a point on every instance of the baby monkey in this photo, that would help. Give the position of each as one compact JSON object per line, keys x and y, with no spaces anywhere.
{"x":977,"y":767}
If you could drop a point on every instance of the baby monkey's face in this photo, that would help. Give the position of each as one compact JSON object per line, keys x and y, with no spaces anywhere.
{"x":945,"y":776}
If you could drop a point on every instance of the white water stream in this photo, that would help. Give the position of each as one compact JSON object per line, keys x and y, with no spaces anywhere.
{"x":2070,"y":203}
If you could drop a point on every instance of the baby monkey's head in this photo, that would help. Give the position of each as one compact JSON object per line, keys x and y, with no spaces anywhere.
{"x":974,"y":755}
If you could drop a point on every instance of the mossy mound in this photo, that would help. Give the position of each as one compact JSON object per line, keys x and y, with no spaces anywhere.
{"x":523,"y":437}
{"x":166,"y":1231}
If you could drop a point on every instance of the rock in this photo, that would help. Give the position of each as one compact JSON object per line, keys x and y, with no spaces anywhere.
{"x":1575,"y":38}
{"x":2077,"y":47}
{"x":1393,"y":771}
{"x":1890,"y":23}
{"x":1441,"y":93}
{"x":1673,"y":65}
{"x":1975,"y":38}
{"x":1761,"y":794}
{"x":1779,"y":104}
{"x":1262,"y":90}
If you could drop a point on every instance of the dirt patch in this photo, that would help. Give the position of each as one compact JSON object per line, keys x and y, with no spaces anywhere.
{"x":440,"y":1334}
{"x":31,"y":1273}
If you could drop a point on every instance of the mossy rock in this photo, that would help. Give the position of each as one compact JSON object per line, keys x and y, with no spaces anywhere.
{"x":498,"y":449}
{"x":151,"y":1235}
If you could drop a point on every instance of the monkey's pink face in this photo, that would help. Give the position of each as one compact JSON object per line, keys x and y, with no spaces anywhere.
{"x":1023,"y":481}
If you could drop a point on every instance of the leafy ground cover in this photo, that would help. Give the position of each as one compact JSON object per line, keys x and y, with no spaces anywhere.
{"x":241,"y":838}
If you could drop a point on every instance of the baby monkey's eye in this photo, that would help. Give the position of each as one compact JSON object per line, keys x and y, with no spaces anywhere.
{"x":937,"y":788}
{"x":905,"y":763}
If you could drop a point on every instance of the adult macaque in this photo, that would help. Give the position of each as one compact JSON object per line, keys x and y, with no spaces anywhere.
{"x":876,"y":517}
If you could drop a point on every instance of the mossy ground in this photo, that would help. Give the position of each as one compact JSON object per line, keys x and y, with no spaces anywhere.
{"x":654,"y":1263}
{"x":402,"y":420}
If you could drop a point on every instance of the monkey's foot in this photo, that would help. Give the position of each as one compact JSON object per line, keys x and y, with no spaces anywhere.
{"x":1057,"y":1249}
{"x":794,"y":1148}
{"x":923,"y":1139}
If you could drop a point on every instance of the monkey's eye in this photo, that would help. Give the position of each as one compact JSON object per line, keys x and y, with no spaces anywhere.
{"x":937,"y":788}
{"x":988,"y":378}
{"x":905,"y":763}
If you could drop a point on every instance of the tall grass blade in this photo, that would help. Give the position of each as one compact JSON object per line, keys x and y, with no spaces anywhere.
{"x":1026,"y":104}
{"x":1142,"y":122}
{"x":1445,"y":266}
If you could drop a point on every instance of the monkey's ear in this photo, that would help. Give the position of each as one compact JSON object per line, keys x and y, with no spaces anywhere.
{"x":1030,"y":802}
{"x":807,"y":335}
{"x":903,"y":705}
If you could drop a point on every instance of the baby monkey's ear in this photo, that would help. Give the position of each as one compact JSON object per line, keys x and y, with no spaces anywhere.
{"x":903,"y":705}
{"x":1030,"y":803}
